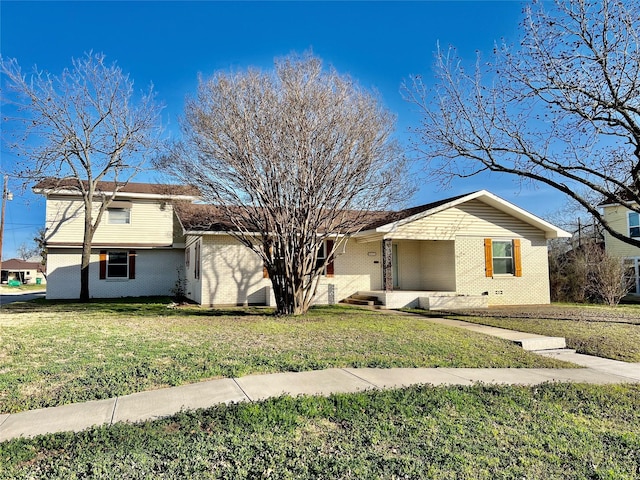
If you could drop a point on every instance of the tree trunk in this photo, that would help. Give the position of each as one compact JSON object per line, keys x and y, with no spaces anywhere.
{"x":86,"y":253}
{"x":289,"y":296}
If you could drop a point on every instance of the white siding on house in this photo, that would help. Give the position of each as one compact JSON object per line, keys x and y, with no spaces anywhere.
{"x":472,"y":218}
{"x":156,"y":274}
{"x":152,"y":223}
{"x":618,"y":218}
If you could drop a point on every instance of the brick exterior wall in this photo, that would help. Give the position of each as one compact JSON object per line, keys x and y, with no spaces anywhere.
{"x":531,"y":288}
{"x":231,"y":274}
{"x":156,"y":274}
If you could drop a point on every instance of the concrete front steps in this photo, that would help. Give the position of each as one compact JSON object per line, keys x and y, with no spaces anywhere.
{"x":363,"y":300}
{"x":541,"y":343}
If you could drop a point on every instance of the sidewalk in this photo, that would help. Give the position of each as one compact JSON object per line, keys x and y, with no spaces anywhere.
{"x":156,"y":404}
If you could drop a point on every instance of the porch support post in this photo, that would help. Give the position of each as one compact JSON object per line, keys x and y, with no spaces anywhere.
{"x":387,"y":265}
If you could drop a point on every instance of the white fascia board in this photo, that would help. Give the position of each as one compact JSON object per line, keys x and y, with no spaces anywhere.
{"x":253,"y":234}
{"x":150,"y":196}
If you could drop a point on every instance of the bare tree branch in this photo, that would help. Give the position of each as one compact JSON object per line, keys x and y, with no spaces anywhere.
{"x":562,"y":108}
{"x":291,"y":157}
{"x":83,"y":126}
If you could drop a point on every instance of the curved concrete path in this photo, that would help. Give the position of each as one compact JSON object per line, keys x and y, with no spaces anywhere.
{"x":156,"y":404}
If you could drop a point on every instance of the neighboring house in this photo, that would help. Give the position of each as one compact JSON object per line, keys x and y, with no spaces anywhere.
{"x":627,"y":222}
{"x":22,"y":271}
{"x":137,"y":250}
{"x":474,"y":249}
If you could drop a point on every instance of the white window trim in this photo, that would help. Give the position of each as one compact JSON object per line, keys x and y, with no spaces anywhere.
{"x":119,"y":277}
{"x":513,"y":260}
{"x":113,"y":209}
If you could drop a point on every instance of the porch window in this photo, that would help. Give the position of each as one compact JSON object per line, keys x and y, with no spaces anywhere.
{"x":502,"y":257}
{"x":634,"y":224}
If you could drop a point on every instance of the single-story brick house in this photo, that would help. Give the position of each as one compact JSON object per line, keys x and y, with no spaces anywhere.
{"x":476,"y":248}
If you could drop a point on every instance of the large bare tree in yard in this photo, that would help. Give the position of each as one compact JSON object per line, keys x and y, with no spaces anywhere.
{"x":77,"y":129}
{"x":561,"y":108}
{"x":295,"y":159}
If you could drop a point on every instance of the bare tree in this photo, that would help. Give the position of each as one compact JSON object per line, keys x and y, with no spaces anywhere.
{"x":294,"y":159}
{"x":81,"y":127}
{"x":26,"y":251}
{"x":562,"y":108}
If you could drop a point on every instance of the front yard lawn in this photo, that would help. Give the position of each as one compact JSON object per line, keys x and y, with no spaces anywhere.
{"x":609,"y":332}
{"x":53,"y":353}
{"x":552,"y":431}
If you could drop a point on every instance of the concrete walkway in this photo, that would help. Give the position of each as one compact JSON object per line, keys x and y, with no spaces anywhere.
{"x":156,"y":404}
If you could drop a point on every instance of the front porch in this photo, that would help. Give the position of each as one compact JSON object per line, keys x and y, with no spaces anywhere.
{"x":428,"y":300}
{"x":419,"y":274}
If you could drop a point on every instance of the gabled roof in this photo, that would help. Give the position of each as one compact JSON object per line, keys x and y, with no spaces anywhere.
{"x":209,"y":218}
{"x":412,"y":214}
{"x":71,"y":186}
{"x":385,"y":218}
{"x":15,"y":264}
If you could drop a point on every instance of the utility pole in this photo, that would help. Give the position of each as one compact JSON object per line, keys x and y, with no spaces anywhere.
{"x":5,"y":197}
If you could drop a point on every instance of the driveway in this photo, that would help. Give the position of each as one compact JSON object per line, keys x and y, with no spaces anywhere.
{"x":10,"y":297}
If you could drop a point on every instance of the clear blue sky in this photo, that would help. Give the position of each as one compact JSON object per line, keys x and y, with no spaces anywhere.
{"x":169,"y":43}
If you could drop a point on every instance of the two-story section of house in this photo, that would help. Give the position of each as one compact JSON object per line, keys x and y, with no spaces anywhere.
{"x":626,"y":221}
{"x":137,"y":249}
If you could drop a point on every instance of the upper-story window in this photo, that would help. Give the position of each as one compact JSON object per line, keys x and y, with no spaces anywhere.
{"x":634,"y":224}
{"x":119,"y":212}
{"x":119,"y":216}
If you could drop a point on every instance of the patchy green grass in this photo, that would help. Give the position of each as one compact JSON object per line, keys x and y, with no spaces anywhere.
{"x":618,"y":341}
{"x":22,"y":288}
{"x":53,"y":353}
{"x":603,"y":331}
{"x":552,"y":431}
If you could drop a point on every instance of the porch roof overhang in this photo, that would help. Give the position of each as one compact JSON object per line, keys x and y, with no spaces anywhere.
{"x":387,"y":231}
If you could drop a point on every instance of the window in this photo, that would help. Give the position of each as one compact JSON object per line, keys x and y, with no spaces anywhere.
{"x":634,"y":224}
{"x":502,"y":257}
{"x":196,"y":261}
{"x":632,"y":274}
{"x":117,"y":264}
{"x":187,"y":257}
{"x":119,"y":216}
{"x":322,"y":255}
{"x":325,"y":248}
